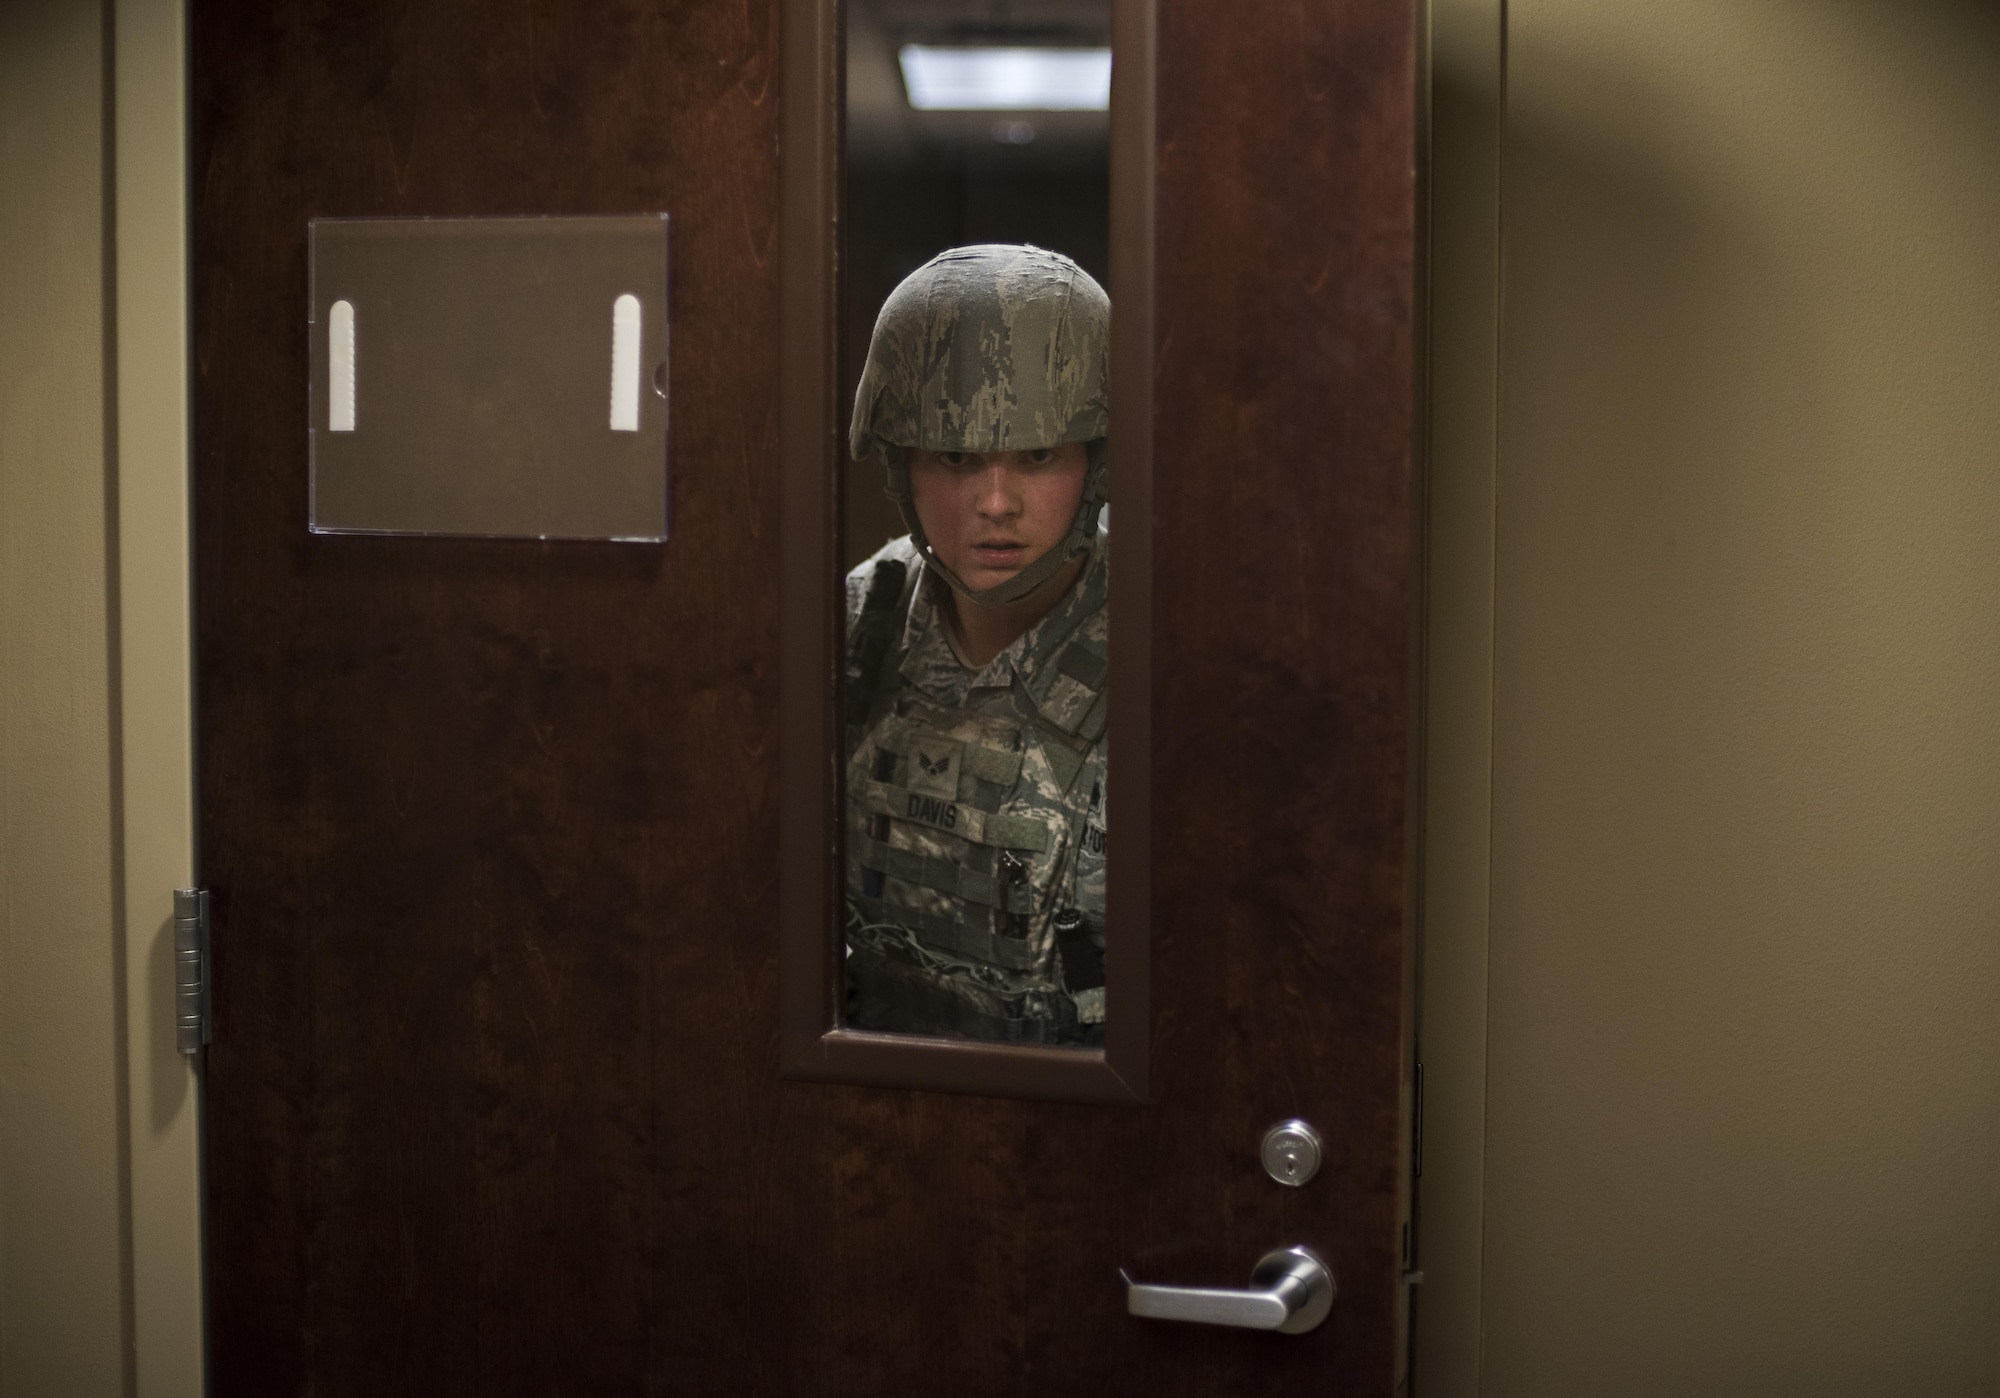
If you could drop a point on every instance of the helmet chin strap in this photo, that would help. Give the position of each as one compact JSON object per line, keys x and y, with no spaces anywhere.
{"x":1081,"y":537}
{"x":1022,"y":584}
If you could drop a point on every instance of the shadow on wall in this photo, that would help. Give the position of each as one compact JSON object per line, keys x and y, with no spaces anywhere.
{"x":169,"y":1070}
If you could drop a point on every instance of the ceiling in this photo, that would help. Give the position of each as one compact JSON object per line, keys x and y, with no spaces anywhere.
{"x":883,"y":132}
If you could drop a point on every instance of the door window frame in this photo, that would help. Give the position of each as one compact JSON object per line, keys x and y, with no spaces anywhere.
{"x":814,"y":1046}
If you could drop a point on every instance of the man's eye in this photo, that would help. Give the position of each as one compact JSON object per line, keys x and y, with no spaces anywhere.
{"x":952,"y":458}
{"x":1042,"y":456}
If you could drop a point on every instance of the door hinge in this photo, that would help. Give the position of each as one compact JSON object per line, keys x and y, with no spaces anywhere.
{"x":194,"y":1025}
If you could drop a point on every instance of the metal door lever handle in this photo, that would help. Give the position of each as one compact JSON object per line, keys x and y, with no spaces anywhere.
{"x":1290,"y":1291}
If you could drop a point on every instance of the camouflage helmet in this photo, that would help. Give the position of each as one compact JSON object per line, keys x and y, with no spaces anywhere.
{"x":995,"y":347}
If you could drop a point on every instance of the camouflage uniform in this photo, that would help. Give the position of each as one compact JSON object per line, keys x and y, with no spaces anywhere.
{"x":976,"y":800}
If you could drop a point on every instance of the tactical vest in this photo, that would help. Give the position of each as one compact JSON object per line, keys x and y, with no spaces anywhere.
{"x":974,"y":823}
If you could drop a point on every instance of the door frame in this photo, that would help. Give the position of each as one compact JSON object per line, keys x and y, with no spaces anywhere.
{"x":812,"y":446}
{"x":1466,"y":95}
{"x":153,"y":689}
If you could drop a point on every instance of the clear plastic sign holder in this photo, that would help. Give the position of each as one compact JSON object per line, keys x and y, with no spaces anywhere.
{"x":494,"y":377}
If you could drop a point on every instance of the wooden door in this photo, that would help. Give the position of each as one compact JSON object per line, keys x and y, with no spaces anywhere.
{"x":492,"y":826}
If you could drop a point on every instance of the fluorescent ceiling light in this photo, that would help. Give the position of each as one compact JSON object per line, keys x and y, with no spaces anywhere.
{"x":1006,"y":80}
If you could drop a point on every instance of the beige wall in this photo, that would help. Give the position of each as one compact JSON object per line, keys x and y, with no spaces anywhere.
{"x":61,"y":1237}
{"x":1741,"y":1119}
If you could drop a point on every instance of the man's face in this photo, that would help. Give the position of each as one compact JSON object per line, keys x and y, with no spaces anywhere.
{"x":991,"y":514}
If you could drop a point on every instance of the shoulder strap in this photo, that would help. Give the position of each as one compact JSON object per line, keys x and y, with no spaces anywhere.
{"x":874,"y":634}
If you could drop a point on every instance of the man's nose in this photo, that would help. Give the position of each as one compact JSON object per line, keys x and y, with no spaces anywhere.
{"x":998,"y":499}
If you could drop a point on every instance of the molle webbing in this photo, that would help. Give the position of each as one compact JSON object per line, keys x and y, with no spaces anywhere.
{"x":1083,"y":665}
{"x":895,"y":998}
{"x":980,"y":763}
{"x":946,"y":877}
{"x":1080,"y":674}
{"x":953,"y":817}
{"x":1080,"y":739}
{"x":956,"y":935}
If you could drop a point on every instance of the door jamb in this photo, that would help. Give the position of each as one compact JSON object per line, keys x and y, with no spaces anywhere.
{"x":151,"y":522}
{"x":1467,"y":105}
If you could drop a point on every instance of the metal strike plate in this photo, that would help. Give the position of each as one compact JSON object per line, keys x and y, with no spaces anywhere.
{"x":1291,"y":1152}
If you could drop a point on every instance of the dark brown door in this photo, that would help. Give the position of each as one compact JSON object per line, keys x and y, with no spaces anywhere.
{"x":492,"y":827}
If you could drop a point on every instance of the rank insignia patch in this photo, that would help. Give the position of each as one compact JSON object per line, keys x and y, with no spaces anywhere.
{"x":934,"y":767}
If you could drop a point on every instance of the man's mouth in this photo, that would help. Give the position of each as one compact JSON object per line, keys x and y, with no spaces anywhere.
{"x":998,"y":550}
